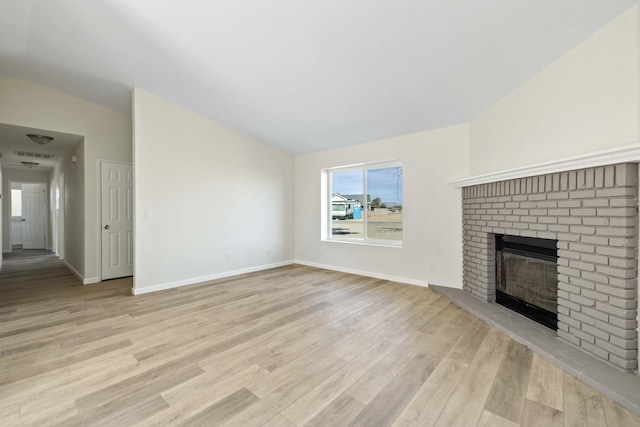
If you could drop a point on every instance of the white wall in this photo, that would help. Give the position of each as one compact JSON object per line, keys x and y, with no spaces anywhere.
{"x":107,"y":135}
{"x":19,"y":175}
{"x":432,"y":209}
{"x":212,"y":191}
{"x":638,"y":123}
{"x":585,"y":101}
{"x":2,"y":203}
{"x":71,"y":203}
{"x":208,"y":191}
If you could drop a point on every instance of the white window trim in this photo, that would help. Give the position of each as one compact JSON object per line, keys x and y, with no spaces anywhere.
{"x":327,"y":192}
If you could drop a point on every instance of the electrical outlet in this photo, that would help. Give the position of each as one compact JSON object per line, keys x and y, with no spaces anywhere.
{"x":433,"y":266}
{"x":227,"y":256}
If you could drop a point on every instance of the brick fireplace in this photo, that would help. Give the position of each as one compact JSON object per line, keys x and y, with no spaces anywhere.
{"x":593,"y":215}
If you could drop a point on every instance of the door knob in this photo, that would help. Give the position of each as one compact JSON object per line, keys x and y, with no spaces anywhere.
{"x":106,"y":227}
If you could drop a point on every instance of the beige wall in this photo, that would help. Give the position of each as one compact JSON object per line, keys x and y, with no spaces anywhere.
{"x":107,"y":135}
{"x":204,"y":190}
{"x":585,"y":101}
{"x":432,"y":214}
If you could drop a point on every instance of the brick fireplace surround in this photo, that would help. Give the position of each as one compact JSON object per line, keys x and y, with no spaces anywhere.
{"x":593,"y":215}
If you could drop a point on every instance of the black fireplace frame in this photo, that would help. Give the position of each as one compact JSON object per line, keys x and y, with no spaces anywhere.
{"x":544,"y":249}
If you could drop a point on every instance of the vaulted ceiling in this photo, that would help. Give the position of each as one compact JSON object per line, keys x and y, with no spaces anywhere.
{"x":303,"y":75}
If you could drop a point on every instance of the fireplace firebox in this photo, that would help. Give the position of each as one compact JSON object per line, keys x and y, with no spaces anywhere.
{"x":527,"y":277}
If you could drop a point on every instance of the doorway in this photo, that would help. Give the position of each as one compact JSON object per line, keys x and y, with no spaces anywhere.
{"x":59,"y":209}
{"x":29,"y":215}
{"x":117,"y":219}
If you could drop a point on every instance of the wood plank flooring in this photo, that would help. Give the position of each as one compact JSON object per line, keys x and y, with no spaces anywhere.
{"x":293,"y":346}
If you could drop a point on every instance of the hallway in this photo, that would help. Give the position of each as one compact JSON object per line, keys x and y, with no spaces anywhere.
{"x":28,"y":276}
{"x":24,"y":265}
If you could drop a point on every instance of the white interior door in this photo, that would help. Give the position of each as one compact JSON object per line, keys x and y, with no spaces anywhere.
{"x":17,"y":233}
{"x":117,"y":219}
{"x":34,"y":213}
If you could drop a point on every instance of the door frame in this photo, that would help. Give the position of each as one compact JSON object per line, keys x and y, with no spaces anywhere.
{"x":99,"y":163}
{"x":46,"y":220}
{"x":59,"y":250}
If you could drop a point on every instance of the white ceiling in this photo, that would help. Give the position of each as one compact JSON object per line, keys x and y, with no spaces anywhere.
{"x":303,"y":75}
{"x":16,"y":147}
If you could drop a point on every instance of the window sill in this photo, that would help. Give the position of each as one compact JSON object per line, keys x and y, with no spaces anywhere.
{"x":391,"y":244}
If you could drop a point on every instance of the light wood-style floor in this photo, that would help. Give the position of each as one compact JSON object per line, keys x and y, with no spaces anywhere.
{"x":288,"y":347}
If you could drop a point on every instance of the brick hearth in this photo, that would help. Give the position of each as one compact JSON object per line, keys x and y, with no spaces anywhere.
{"x":593,"y":214}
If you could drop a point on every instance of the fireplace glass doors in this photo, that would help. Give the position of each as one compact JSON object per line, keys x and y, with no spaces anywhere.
{"x":527,"y":277}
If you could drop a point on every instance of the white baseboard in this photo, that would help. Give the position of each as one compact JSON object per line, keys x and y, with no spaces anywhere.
{"x":85,"y":281}
{"x":406,"y":280}
{"x":74,"y":271}
{"x":193,"y":280}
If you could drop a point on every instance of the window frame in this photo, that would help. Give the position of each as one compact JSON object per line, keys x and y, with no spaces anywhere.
{"x":327,"y":190}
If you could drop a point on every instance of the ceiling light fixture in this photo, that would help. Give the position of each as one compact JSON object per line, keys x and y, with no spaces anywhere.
{"x":30,"y":164}
{"x":40,"y":139}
